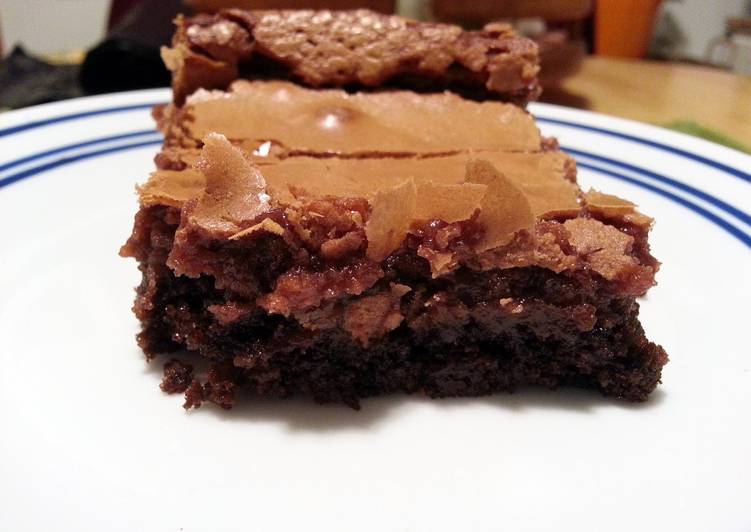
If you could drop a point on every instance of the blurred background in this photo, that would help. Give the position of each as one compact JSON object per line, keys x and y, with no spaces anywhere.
{"x":682,"y":64}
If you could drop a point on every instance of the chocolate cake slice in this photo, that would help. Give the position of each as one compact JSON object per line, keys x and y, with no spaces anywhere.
{"x":339,"y":246}
{"x":356,"y":50}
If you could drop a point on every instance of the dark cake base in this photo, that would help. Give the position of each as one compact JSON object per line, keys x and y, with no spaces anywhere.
{"x":337,"y":370}
{"x":568,"y":332}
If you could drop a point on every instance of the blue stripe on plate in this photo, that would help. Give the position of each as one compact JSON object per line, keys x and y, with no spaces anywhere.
{"x":732,"y":211}
{"x":74,"y":116}
{"x":73,"y":158}
{"x":68,"y":147}
{"x":660,"y":146}
{"x":704,"y":213}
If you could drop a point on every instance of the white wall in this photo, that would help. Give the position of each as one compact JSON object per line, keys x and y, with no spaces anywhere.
{"x":700,"y":21}
{"x":51,"y":26}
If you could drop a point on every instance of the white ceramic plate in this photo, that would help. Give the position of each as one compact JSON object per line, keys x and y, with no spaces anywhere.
{"x":89,"y":443}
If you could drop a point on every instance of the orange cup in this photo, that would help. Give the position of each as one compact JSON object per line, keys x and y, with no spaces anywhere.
{"x":623,"y":28}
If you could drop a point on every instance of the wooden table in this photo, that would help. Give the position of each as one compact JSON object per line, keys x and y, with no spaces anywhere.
{"x":660,"y":93}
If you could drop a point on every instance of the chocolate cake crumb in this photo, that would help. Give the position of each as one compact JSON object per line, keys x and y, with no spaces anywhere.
{"x":177,"y":376}
{"x":193,"y":395}
{"x":220,"y":386}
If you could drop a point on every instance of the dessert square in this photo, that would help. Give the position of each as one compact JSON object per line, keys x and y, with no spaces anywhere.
{"x":357,"y":50}
{"x":338,"y":244}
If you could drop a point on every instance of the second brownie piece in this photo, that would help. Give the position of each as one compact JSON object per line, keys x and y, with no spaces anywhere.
{"x":351,"y":49}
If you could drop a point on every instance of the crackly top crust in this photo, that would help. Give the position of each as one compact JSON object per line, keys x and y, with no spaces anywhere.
{"x":297,"y":120}
{"x":363,"y":210}
{"x":358,"y":48}
{"x":231,"y":197}
{"x":543,"y":178}
{"x":505,"y":192}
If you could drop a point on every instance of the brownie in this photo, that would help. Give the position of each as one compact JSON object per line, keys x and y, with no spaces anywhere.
{"x":355,"y":50}
{"x":339,"y":246}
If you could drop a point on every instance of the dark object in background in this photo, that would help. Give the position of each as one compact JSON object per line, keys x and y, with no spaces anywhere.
{"x":144,"y":21}
{"x":26,"y":80}
{"x":128,"y":59}
{"x":120,"y":64}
